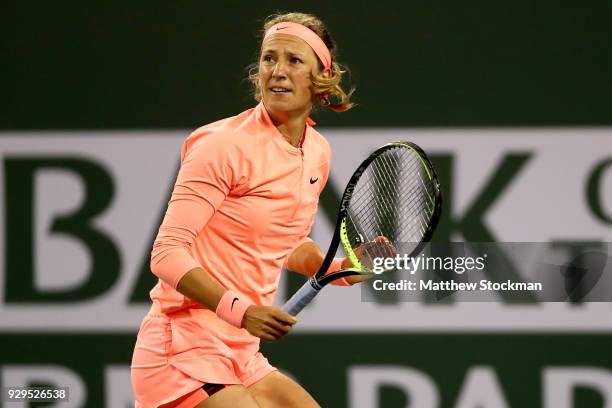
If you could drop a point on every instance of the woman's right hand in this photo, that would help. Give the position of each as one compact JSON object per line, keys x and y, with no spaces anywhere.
{"x":267,"y":322}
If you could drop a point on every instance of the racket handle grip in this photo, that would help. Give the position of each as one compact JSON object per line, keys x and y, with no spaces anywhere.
{"x":301,"y":298}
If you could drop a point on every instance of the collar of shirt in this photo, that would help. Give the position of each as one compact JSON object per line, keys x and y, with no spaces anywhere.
{"x":261,"y":113}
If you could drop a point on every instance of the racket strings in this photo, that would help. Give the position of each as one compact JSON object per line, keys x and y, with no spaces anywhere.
{"x":383,"y":206}
{"x":408,"y":224}
{"x":382,"y":175}
{"x":409,"y":193}
{"x":365,"y":212}
{"x":364,"y":196}
{"x":360,"y":208}
{"x":392,"y":204}
{"x":421,"y":212}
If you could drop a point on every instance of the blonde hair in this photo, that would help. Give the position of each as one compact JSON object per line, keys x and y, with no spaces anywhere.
{"x":326,"y":91}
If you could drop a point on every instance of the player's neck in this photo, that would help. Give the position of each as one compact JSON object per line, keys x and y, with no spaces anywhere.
{"x":291,"y":127}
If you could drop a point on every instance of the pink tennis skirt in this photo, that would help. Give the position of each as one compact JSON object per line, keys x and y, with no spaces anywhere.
{"x":178,"y":353}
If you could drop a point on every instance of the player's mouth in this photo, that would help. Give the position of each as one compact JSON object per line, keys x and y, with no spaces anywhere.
{"x":279,"y":90}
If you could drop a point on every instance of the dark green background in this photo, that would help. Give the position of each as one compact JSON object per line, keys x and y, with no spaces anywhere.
{"x":518,"y":361}
{"x":159,"y":64}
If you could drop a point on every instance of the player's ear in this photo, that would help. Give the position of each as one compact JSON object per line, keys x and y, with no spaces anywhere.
{"x":326,"y":73}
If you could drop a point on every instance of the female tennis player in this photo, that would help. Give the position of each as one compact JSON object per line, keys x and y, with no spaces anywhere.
{"x":242,"y":207}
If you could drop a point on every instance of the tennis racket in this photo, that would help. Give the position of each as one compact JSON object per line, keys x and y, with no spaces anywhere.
{"x":391,"y":203}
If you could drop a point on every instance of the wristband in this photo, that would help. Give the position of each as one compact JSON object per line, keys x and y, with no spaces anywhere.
{"x":231,"y":308}
{"x":336,"y":265}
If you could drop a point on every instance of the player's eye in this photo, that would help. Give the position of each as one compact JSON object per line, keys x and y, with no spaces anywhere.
{"x":296,"y":60}
{"x":266,"y":58}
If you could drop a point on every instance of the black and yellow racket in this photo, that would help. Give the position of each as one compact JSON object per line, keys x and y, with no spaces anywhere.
{"x":392,"y":201}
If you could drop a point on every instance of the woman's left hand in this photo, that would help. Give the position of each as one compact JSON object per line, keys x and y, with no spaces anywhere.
{"x":382,"y":245}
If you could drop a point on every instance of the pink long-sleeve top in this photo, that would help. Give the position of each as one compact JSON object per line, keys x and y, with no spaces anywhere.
{"x":244,"y":198}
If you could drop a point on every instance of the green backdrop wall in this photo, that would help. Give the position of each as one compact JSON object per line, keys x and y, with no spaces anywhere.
{"x":114,"y":64}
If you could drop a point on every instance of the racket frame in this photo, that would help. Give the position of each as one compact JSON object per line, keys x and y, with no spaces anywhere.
{"x":340,"y":236}
{"x":316,"y":282}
